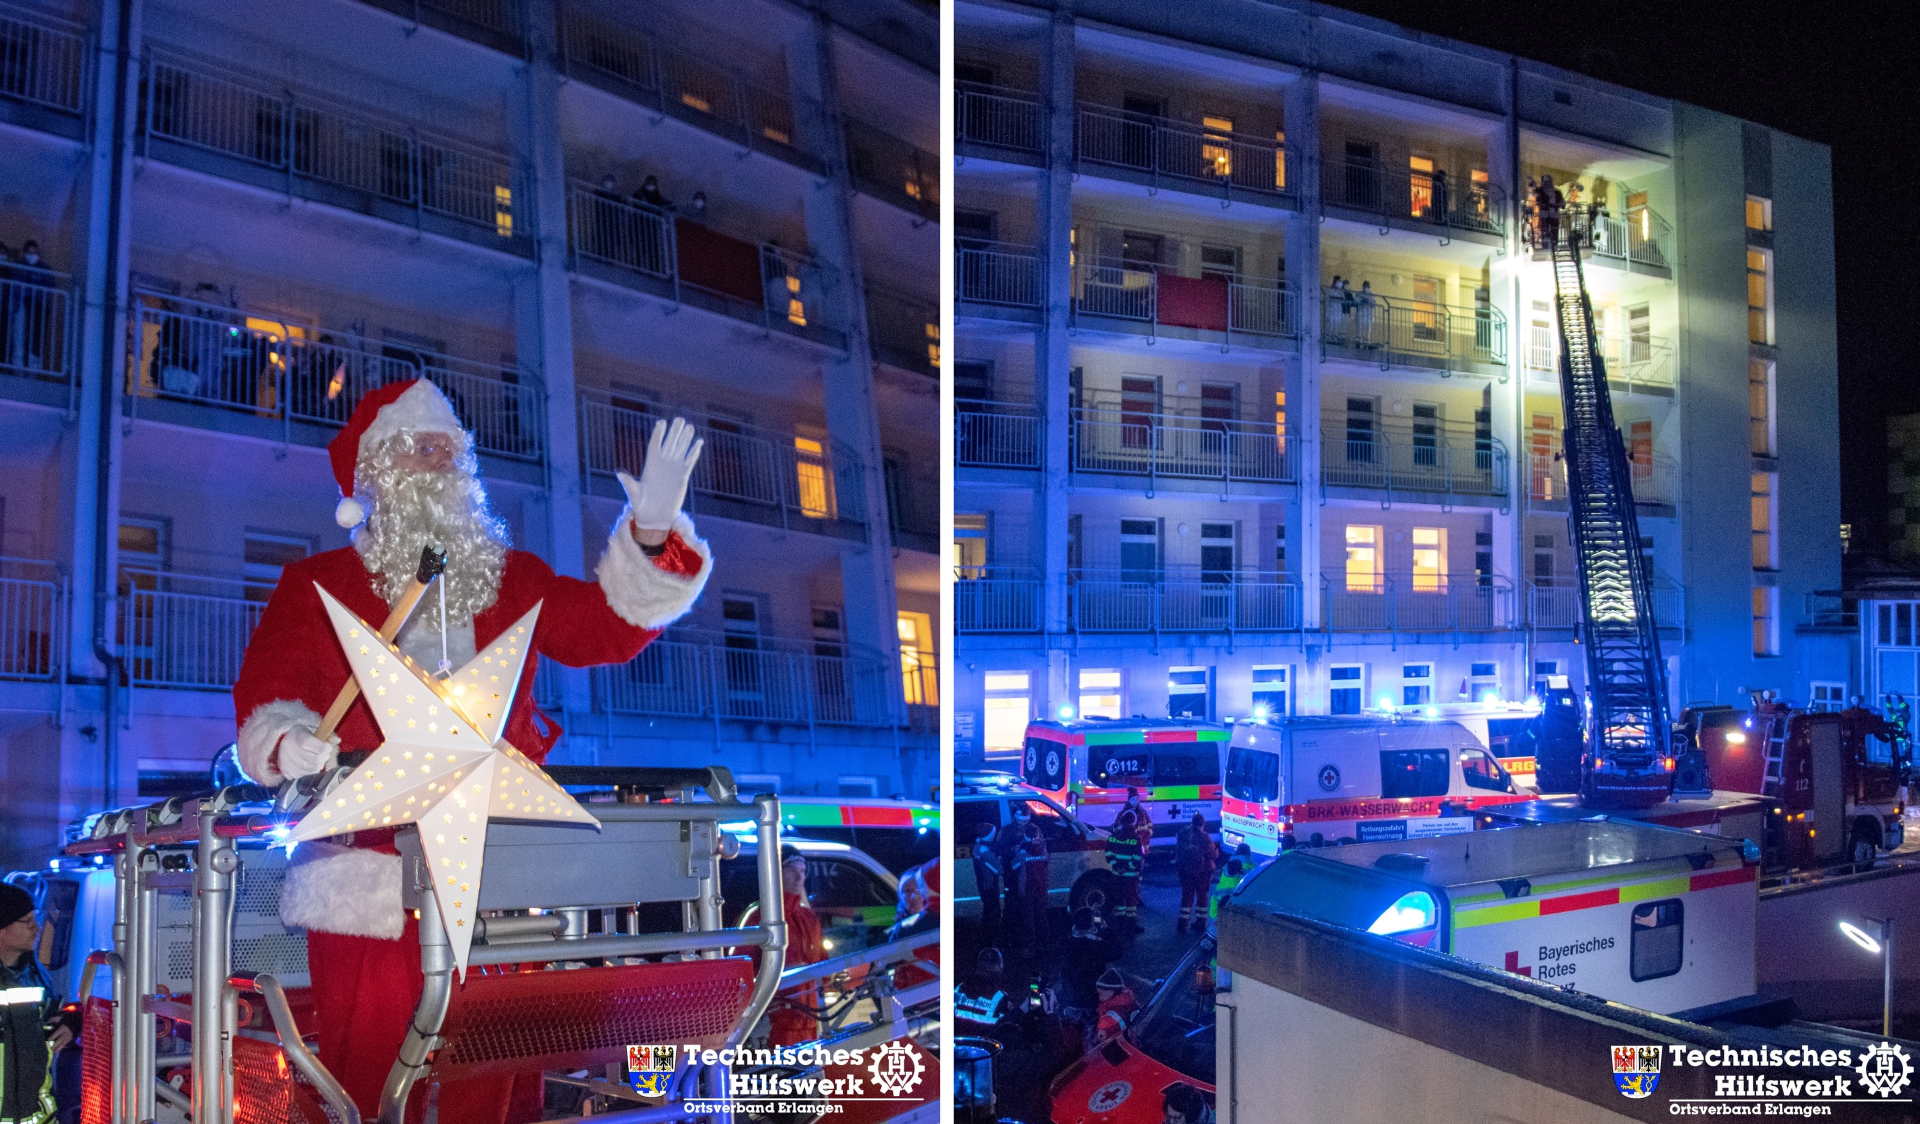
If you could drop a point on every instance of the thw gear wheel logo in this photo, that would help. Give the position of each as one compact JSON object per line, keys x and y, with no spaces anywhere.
{"x":896,"y":1068}
{"x":1884,"y":1069}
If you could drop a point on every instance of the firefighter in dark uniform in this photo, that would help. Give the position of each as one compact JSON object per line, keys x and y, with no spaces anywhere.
{"x":989,"y":877}
{"x":1124,"y":859}
{"x":981,"y":998}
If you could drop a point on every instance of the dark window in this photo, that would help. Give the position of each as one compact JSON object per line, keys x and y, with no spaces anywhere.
{"x":1252,"y":775}
{"x":834,"y":883}
{"x":968,"y":815}
{"x":1040,"y":753}
{"x":1413,"y":772}
{"x":972,"y":381}
{"x":1480,"y":770}
{"x":1119,"y":766}
{"x":1659,"y":947}
{"x":1054,"y":827}
{"x":973,"y":228}
{"x":978,"y":73}
{"x":1186,"y":763}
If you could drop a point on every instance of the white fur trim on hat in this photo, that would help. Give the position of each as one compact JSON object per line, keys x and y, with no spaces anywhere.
{"x":349,"y":512}
{"x":642,"y":593}
{"x":348,"y":890}
{"x":262,"y":731}
{"x":421,"y":409}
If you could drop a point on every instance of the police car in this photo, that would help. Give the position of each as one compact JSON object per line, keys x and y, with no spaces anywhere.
{"x":1077,"y":871}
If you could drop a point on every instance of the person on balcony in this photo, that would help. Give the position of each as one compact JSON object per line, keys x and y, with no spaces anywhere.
{"x":406,"y":467}
{"x":1367,"y":302}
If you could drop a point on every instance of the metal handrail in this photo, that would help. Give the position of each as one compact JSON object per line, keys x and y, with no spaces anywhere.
{"x":1182,"y":599}
{"x":998,"y":116}
{"x":1428,"y":198}
{"x":1400,"y":457}
{"x":1183,"y":152}
{"x":675,"y":677}
{"x":31,"y":621}
{"x":46,"y":61}
{"x":1408,"y":601}
{"x":1376,"y":327}
{"x":36,"y":316}
{"x":280,"y":1012}
{"x":898,"y":171}
{"x":998,"y":273}
{"x":996,"y":435}
{"x":1114,"y":439}
{"x":997,"y":599}
{"x":1123,"y":290}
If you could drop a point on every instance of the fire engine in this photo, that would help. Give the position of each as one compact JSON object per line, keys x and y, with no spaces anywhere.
{"x":1320,"y":780}
{"x":1089,"y":765}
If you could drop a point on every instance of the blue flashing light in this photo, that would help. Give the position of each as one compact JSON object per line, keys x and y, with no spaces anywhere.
{"x":1533,"y":700}
{"x":1491,"y":694}
{"x":1432,"y":712}
{"x":1260,"y":713}
{"x":1413,"y":912}
{"x":1066,"y":712}
{"x":1386,"y":702}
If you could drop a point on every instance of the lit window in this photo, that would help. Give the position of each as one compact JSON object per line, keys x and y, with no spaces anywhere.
{"x":1008,"y":707}
{"x":1759,"y":297}
{"x":1429,"y":559}
{"x":1760,"y":405}
{"x":1217,"y":152}
{"x":1363,"y":559}
{"x":503,"y":210}
{"x":810,"y":473}
{"x":933,"y":343}
{"x":920,"y":680}
{"x":1420,"y":169}
{"x":1007,"y":680}
{"x":1766,"y":632}
{"x":1764,"y":555}
{"x":1280,"y":422}
{"x":1759,"y":213}
{"x":1100,"y":694}
{"x":1280,"y":161}
{"x":1416,"y":684}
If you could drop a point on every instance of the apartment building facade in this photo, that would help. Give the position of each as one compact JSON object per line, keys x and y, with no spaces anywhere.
{"x":1256,"y":380}
{"x":575,"y":217}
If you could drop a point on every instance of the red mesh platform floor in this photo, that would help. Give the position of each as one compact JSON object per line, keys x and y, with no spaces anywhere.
{"x":96,"y":1061}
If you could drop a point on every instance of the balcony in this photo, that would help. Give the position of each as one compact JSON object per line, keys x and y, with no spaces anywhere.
{"x":635,"y":66}
{"x":753,"y":679}
{"x":1558,"y":606}
{"x":997,"y":599}
{"x":1392,"y":332}
{"x":677,"y":259}
{"x":1114,"y":436}
{"x":998,"y":275}
{"x":186,"y":632}
{"x":1655,"y":476}
{"x":995,"y":435}
{"x":1012,"y":121}
{"x":1639,"y":242}
{"x":1161,"y":153}
{"x":253,"y":130}
{"x":893,"y":171}
{"x":1183,"y":601}
{"x":43,"y":73}
{"x":32,"y":595}
{"x":1416,"y":602}
{"x":904,"y":330}
{"x":745,"y":473}
{"x":1637,"y":363}
{"x":36,"y":323}
{"x":499,"y":24}
{"x":279,"y":373}
{"x":1432,"y":459}
{"x":1125,"y":296}
{"x":1369,"y":191}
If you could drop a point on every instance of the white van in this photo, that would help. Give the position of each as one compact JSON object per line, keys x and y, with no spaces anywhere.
{"x":1311,"y":781}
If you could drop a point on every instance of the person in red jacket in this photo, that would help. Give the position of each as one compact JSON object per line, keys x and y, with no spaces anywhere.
{"x":788,"y":1026}
{"x":1117,"y":1005}
{"x":405,"y":465}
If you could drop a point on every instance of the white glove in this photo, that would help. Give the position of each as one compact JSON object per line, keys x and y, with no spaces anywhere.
{"x":656,"y":497}
{"x":302,"y":753}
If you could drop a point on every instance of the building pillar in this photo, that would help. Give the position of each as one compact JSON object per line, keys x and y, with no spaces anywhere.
{"x":1053,"y":357}
{"x":1301,"y":110}
{"x":852,"y":408}
{"x":543,"y":306}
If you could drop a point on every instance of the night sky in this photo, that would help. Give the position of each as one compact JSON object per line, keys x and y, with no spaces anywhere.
{"x":1843,"y":74}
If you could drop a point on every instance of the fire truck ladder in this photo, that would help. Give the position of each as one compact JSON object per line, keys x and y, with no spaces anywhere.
{"x":1776,"y":756}
{"x":1625,"y":674}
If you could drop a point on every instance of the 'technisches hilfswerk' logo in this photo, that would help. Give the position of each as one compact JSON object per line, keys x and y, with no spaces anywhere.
{"x":784,"y":1078}
{"x":1879,"y":1074}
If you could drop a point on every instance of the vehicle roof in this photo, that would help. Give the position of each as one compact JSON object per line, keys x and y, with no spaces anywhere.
{"x":1083,"y":725}
{"x":815,"y":848}
{"x":1527,"y":852}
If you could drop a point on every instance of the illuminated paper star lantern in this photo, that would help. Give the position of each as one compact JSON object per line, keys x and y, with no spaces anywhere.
{"x":442,"y":764}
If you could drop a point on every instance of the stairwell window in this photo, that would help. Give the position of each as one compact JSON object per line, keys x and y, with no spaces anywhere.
{"x":1760,"y":406}
{"x":1759,"y":213}
{"x":1759,"y":297}
{"x":1766,"y":621}
{"x":1765,"y":512}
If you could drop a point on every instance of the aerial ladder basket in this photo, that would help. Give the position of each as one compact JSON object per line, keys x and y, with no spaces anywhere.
{"x":250,"y":1056}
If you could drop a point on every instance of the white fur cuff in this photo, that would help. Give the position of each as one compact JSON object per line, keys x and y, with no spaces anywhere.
{"x":642,"y":593}
{"x":346,"y":890}
{"x":262,"y":731}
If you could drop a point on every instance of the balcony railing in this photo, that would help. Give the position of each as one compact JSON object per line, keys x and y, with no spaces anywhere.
{"x":271,"y":367}
{"x":1558,"y":605}
{"x":889,"y":168}
{"x":1393,"y":331}
{"x":713,"y":96}
{"x":997,"y":599}
{"x":787,"y":476}
{"x":760,"y":283}
{"x":700,"y":679}
{"x":1633,"y":359}
{"x":1254,"y":314}
{"x":1655,"y":476}
{"x":1416,"y":602}
{"x":311,"y":139}
{"x":998,"y":274}
{"x":995,"y":435}
{"x":904,"y":330}
{"x":36,"y":321}
{"x":30,"y":619}
{"x":1190,"y":156}
{"x":186,"y":631}
{"x":1359,"y":452}
{"x":42,"y":63}
{"x":1110,"y":437}
{"x":1403,"y":197}
{"x":1002,"y":118}
{"x":1183,"y":601}
{"x":1641,"y":237}
{"x":500,"y":24}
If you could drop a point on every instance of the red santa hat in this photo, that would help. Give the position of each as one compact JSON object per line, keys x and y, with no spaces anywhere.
{"x":413,"y":405}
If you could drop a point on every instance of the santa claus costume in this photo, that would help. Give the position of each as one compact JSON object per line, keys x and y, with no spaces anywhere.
{"x":406,"y":465}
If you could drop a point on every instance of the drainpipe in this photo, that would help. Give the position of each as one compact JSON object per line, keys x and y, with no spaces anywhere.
{"x":112,"y":327}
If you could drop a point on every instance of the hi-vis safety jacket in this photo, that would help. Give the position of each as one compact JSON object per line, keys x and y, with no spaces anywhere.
{"x":26,"y":1072}
{"x":1229,"y":881}
{"x":1123,"y":854}
{"x":983,"y":1008}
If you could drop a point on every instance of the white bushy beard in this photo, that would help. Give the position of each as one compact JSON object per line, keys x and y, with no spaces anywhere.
{"x":409,"y":510}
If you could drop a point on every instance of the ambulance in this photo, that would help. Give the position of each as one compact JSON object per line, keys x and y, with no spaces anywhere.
{"x":1088,"y":765}
{"x":1657,"y":918}
{"x":1312,"y":781}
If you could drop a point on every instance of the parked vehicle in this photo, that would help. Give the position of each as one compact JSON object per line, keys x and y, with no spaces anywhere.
{"x":1076,"y":857}
{"x":1088,"y":766}
{"x":899,"y":833}
{"x":1120,"y":1081}
{"x":1318,"y":780}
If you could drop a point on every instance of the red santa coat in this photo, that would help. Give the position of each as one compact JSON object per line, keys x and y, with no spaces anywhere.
{"x":363,"y":950}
